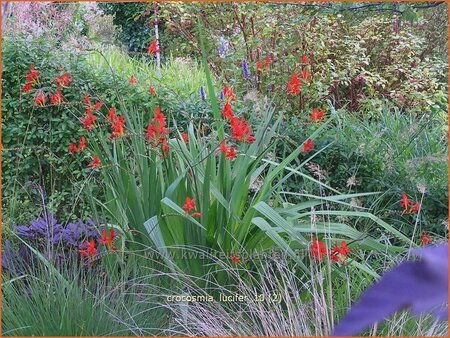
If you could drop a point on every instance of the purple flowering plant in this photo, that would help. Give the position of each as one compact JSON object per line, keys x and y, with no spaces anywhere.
{"x":55,"y":241}
{"x":245,"y":70}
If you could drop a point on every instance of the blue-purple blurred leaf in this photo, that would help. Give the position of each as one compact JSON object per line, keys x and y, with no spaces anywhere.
{"x":421,"y":286}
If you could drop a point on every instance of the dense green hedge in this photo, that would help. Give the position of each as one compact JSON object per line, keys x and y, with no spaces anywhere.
{"x":36,"y":139}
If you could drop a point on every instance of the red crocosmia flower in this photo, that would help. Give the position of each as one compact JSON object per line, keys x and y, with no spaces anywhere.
{"x":118,"y":126}
{"x":57,"y":98}
{"x":63,"y":80}
{"x":185,"y":137}
{"x":425,"y":239}
{"x":165,"y":145}
{"x":405,"y":202}
{"x":305,"y":59}
{"x":87,"y":99}
{"x":90,"y":250}
{"x":227,"y":111}
{"x":152,"y":90}
{"x":111,"y":114}
{"x":228,"y":93}
{"x":231,"y":153}
{"x":105,"y":238}
{"x":317,"y":115}
{"x":156,"y":130}
{"x":98,"y":104}
{"x":415,"y":208}
{"x":409,"y":207}
{"x":308,"y":146}
{"x":82,"y":143}
{"x":189,"y":204}
{"x":40,"y":99}
{"x":267,"y":61}
{"x":259,"y":65}
{"x":151,"y":132}
{"x":223,"y":147}
{"x":108,"y":240}
{"x":160,"y":116}
{"x":197,"y":214}
{"x":334,"y":255}
{"x":241,"y":130}
{"x":133,"y":80}
{"x":154,"y":47}
{"x":304,"y":74}
{"x":294,"y":86}
{"x":27,"y":87}
{"x":33,"y":75}
{"x":73,"y":148}
{"x":95,"y":163}
{"x":89,"y":121}
{"x":344,"y":250}
{"x":339,"y":254}
{"x":235,"y":259}
{"x":318,"y":249}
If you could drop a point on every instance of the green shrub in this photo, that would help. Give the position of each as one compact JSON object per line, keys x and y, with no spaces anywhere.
{"x":36,"y":140}
{"x":391,"y":154}
{"x":358,"y":64}
{"x":134,"y":23}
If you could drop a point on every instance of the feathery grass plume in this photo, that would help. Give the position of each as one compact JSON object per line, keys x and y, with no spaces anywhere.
{"x":266,"y":296}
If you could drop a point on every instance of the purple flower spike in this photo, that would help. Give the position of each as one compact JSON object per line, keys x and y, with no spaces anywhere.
{"x":202,"y":93}
{"x":245,"y":70}
{"x":223,"y":47}
{"x":421,"y":286}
